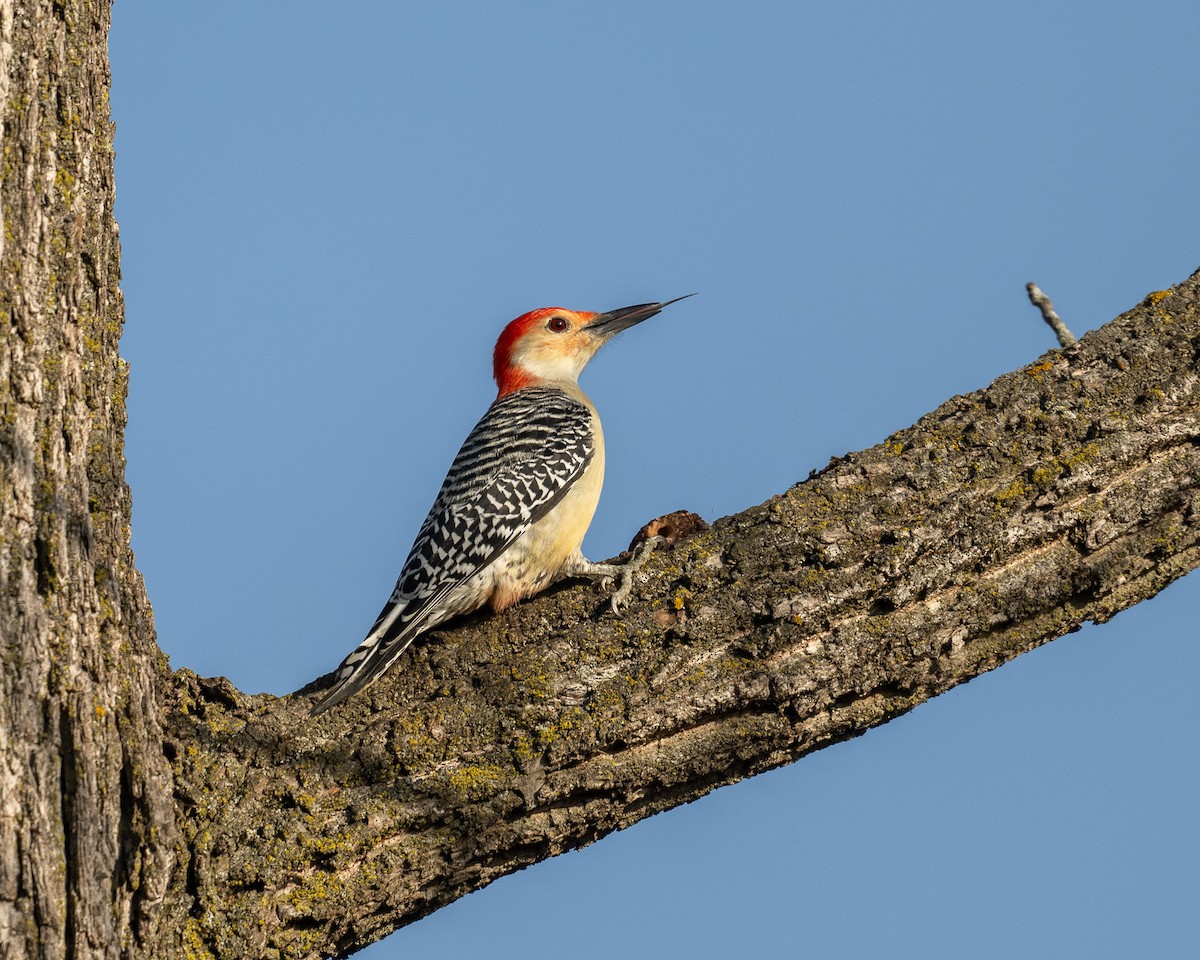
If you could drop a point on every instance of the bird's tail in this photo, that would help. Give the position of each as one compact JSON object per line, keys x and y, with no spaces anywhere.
{"x":367,"y":662}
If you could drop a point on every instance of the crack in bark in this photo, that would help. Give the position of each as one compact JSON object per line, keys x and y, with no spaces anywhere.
{"x":67,"y":770}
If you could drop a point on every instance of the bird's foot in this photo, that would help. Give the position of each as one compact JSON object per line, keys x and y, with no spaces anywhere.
{"x":635,"y":563}
{"x":620,"y":574}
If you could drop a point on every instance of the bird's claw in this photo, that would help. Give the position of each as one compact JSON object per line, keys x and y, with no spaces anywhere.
{"x":632,"y":566}
{"x":621,"y":594}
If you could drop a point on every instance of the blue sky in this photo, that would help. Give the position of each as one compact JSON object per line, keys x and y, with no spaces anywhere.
{"x":328,"y":214}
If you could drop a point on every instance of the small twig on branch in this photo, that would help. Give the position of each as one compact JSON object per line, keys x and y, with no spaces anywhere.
{"x":1042,"y":302}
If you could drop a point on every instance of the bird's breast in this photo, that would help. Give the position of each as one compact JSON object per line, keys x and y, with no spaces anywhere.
{"x":537,"y":556}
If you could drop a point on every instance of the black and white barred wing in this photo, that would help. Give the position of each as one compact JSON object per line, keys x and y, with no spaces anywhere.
{"x":517,"y":463}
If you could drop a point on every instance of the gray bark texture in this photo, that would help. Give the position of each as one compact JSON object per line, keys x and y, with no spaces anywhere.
{"x":145,"y":814}
{"x":87,"y":820}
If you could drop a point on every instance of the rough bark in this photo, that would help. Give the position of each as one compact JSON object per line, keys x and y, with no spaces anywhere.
{"x":87,"y":827}
{"x":150,"y":815}
{"x":1065,"y":492}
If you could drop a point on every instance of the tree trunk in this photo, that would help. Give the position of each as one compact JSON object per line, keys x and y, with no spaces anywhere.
{"x":87,"y":825}
{"x":150,"y":815}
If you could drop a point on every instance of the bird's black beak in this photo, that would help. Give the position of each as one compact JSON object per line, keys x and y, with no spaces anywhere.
{"x":607,"y":324}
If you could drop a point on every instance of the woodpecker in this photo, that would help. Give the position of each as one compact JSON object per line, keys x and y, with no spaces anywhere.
{"x":511,"y":514}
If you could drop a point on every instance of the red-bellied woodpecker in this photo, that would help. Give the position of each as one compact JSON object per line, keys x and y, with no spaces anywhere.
{"x":512,"y":511}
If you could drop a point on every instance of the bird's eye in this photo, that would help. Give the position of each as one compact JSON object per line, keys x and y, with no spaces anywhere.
{"x":558,"y":324}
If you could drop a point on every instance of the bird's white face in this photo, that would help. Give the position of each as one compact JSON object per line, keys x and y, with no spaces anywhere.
{"x":553,"y":345}
{"x":557,"y":346}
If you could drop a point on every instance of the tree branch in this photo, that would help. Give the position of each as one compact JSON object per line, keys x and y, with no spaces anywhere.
{"x":1063,"y":493}
{"x":1050,"y":315}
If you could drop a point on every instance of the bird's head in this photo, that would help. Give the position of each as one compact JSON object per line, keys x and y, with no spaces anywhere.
{"x":554,"y":344}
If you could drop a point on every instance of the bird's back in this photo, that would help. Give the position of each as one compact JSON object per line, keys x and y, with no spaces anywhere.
{"x":514,"y":470}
